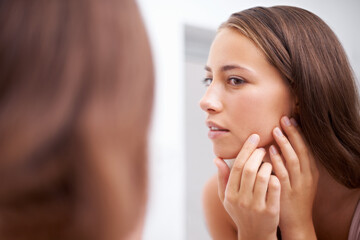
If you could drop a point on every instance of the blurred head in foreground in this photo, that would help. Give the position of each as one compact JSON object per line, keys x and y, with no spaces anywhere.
{"x":76,"y":88}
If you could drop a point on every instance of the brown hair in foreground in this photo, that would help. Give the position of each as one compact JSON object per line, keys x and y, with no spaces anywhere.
{"x":76,"y":89}
{"x":310,"y":57}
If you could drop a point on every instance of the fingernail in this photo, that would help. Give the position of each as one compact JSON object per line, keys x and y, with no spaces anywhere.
{"x":273,"y":150}
{"x":254,"y":139}
{"x":286,"y":121}
{"x":278,"y":132}
{"x":293,"y":121}
{"x":262,"y":149}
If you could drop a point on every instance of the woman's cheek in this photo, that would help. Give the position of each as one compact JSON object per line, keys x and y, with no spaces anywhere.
{"x":266,"y":137}
{"x":259,"y":117}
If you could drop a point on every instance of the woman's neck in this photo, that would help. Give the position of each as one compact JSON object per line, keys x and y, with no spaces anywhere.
{"x":333,"y":193}
{"x":334,"y":206}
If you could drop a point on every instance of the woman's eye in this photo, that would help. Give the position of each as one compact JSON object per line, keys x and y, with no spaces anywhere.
{"x":236,"y":81}
{"x":207,"y":81}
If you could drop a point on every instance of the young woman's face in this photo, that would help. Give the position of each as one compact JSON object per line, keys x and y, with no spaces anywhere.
{"x":245,"y":94}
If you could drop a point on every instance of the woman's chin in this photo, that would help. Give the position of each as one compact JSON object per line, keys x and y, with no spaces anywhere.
{"x":226,"y":153}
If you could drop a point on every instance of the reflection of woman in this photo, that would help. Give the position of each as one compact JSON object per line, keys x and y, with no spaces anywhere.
{"x":75,"y":101}
{"x":280,"y":76}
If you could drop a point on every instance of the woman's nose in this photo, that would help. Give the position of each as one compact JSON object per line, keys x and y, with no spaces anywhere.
{"x":210,"y":102}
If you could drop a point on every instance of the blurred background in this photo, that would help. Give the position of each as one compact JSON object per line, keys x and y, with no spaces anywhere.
{"x":181,"y":158}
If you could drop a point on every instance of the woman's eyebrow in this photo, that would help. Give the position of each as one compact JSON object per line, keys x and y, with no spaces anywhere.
{"x":230,"y":67}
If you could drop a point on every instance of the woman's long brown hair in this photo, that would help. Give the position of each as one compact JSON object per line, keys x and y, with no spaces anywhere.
{"x":76,"y":91}
{"x":309,"y":55}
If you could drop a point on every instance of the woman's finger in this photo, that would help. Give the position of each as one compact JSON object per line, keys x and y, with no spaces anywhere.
{"x":236,"y":171}
{"x":250,"y":172}
{"x":223,"y":176}
{"x":261,"y":184}
{"x":297,"y":142}
{"x":273,"y":194}
{"x":291,"y":159}
{"x":279,"y":168}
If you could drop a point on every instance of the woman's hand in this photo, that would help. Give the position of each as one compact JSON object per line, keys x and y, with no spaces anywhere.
{"x":249,"y":193}
{"x":296,"y":169}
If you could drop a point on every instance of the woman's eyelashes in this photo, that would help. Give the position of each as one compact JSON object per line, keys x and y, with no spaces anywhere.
{"x":207,"y":81}
{"x":233,"y":81}
{"x":236,"y":81}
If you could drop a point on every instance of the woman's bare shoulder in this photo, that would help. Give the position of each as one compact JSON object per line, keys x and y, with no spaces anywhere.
{"x":219,"y":223}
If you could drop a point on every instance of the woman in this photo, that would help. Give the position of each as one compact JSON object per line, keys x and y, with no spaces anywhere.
{"x":75,"y":100}
{"x":282,"y":100}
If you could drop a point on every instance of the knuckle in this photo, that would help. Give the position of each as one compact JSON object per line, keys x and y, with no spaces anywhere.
{"x":274,"y":184}
{"x":272,"y":210}
{"x":283,"y":176}
{"x":230,"y":198}
{"x":262,"y":178}
{"x":258,"y":209}
{"x":242,"y":204}
{"x":237,"y":166}
{"x":293,"y":161}
{"x":249,"y":171}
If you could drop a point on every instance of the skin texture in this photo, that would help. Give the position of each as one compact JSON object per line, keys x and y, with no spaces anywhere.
{"x":251,"y":196}
{"x":249,"y":97}
{"x":249,"y":100}
{"x":298,"y":178}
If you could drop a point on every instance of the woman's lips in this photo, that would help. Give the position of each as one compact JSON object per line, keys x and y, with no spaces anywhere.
{"x":216,"y":134}
{"x":215,"y":130}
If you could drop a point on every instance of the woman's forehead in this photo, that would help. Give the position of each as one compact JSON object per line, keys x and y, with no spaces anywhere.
{"x":230,"y":47}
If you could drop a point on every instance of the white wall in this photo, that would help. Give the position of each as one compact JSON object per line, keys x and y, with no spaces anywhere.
{"x":165,"y":20}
